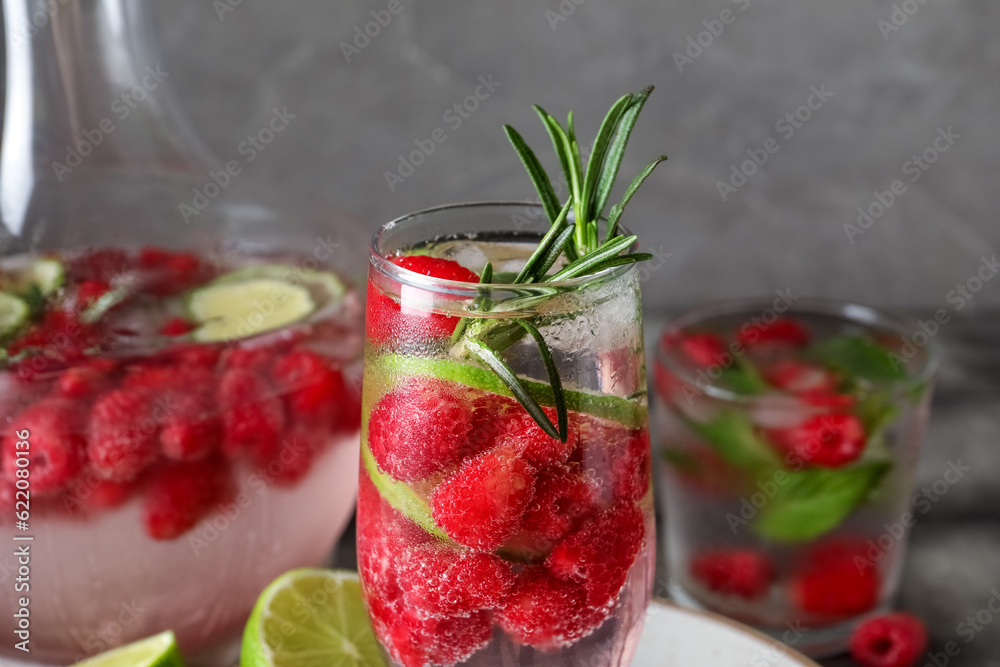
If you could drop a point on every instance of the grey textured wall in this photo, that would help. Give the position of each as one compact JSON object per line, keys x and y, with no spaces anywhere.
{"x":900,"y":75}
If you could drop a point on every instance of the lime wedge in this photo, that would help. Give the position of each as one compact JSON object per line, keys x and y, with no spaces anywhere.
{"x":325,"y":285}
{"x":47,"y":275}
{"x":241,"y":309}
{"x":156,"y":651}
{"x":311,"y":618}
{"x":14,"y":313}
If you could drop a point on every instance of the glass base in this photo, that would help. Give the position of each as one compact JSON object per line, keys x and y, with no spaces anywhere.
{"x":816,"y":643}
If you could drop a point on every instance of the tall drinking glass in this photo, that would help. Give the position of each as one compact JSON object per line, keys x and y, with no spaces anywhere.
{"x":481,"y":539}
{"x":788,"y":438}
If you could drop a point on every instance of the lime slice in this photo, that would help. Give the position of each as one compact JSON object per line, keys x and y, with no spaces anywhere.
{"x":398,"y":367}
{"x":48,"y":275}
{"x":311,"y":618}
{"x":157,"y":651}
{"x":241,"y":309}
{"x":14,"y":313}
{"x":330,"y":288}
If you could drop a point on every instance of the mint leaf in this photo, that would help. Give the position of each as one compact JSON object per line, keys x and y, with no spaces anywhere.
{"x":743,"y":378}
{"x":733,"y":436}
{"x":858,"y":357}
{"x":815,"y":501}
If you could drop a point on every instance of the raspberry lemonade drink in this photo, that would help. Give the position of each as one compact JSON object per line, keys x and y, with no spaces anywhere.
{"x":787,"y":448}
{"x":178,"y":430}
{"x":505,"y":509}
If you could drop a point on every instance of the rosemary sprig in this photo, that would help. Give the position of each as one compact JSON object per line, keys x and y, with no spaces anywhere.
{"x":578,"y":240}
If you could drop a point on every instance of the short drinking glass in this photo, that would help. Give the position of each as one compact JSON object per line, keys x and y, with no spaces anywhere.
{"x":481,"y":539}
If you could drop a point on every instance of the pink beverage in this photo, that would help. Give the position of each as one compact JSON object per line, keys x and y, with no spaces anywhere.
{"x":483,"y":540}
{"x":179,"y":430}
{"x":787,"y":450}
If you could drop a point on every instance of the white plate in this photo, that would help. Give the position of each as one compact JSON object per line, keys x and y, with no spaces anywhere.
{"x":678,"y":637}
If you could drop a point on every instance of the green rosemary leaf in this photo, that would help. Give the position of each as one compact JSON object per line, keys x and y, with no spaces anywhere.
{"x":616,"y":150}
{"x":619,"y":208}
{"x":561,"y":243}
{"x":599,"y":152}
{"x":516,"y":386}
{"x":560,"y":141}
{"x":554,"y":381}
{"x":529,"y":272}
{"x":535,"y":170}
{"x":482,"y":302}
{"x":585,"y":264}
{"x":618,"y":261}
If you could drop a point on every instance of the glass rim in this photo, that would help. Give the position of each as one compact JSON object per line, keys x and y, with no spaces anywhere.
{"x":844,"y":310}
{"x":379,"y":260}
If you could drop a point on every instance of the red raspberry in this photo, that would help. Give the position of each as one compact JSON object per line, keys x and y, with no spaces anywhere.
{"x":522,"y":434}
{"x":829,"y":441}
{"x":179,"y":495}
{"x":783,"y":330}
{"x":60,"y":340}
{"x":440,"y":581}
{"x":295,"y":457}
{"x":415,"y":642}
{"x":704,"y":349}
{"x":192,"y":428}
{"x":91,"y":491}
{"x":55,"y":445}
{"x":481,"y":504}
{"x":313,"y":388}
{"x":123,"y":434}
{"x":386,"y":319}
{"x":103,"y":265}
{"x":893,"y":640}
{"x":176,"y":326}
{"x":253,"y":415}
{"x":490,"y":415}
{"x":799,"y":377}
{"x":563,"y":496}
{"x":744,"y":573}
{"x":546,"y":612}
{"x":87,"y":379}
{"x":170,"y":273}
{"x":153,"y":257}
{"x":619,"y":456}
{"x":419,"y":429}
{"x":199,"y":356}
{"x":256,"y":358}
{"x":837,"y":580}
{"x":445,"y":269}
{"x":90,"y":291}
{"x":599,"y":554}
